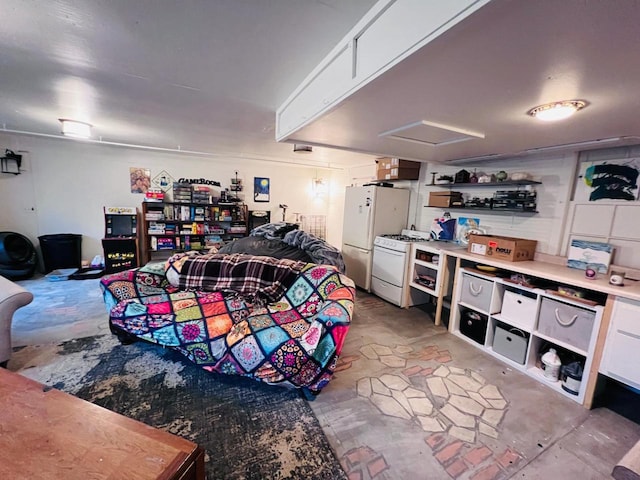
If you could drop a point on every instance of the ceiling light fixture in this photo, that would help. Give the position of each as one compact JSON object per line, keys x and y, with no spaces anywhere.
{"x":550,"y":112}
{"x":75,"y":129}
{"x":302,"y":148}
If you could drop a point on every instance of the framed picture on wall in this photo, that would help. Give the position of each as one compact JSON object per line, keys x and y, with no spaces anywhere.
{"x":261,"y":189}
{"x":140,"y":179}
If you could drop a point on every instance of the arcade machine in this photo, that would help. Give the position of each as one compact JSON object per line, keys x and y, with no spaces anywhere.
{"x":120,"y":244}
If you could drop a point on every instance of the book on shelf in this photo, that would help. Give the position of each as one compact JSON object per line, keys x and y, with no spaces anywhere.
{"x":168,"y":212}
{"x":165,"y":243}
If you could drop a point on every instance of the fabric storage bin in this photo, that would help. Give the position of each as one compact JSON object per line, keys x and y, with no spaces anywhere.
{"x":567,"y":323}
{"x":511,"y":343}
{"x":476,"y":292}
{"x":473,"y":325}
{"x":520,"y":308}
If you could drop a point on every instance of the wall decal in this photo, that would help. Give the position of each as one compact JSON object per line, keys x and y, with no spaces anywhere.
{"x":612,"y":181}
{"x":163,"y":181}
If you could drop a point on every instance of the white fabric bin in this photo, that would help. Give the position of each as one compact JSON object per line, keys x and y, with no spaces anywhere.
{"x":519,"y":309}
{"x":510,"y":343}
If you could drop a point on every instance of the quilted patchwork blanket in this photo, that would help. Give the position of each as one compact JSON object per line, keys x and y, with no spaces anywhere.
{"x":294,"y":341}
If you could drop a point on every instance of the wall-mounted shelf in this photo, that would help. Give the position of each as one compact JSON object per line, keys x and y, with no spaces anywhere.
{"x":490,"y":184}
{"x":508,"y":202}
{"x":510,"y":211}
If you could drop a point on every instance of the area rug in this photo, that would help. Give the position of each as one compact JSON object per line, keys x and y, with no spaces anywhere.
{"x":248,"y":430}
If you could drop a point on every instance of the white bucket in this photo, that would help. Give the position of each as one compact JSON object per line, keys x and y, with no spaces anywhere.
{"x":551,"y":364}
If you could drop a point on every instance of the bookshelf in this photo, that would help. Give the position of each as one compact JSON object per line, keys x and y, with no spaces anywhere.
{"x":170,"y":227}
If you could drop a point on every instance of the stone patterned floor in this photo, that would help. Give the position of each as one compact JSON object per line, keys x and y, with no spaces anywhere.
{"x":446,"y":401}
{"x":539,"y":434}
{"x":410,"y":401}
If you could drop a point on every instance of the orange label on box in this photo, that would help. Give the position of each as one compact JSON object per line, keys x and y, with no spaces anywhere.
{"x":492,"y":244}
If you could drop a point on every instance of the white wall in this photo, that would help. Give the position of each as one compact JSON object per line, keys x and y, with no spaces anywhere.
{"x":66,"y":185}
{"x":606,"y":220}
{"x":557,"y":175}
{"x":556,"y":172}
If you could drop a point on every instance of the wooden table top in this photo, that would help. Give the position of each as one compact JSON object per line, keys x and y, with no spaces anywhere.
{"x":48,"y":434}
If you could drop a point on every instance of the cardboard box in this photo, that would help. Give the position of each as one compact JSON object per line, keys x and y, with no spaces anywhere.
{"x":445,"y":199}
{"x":502,"y":248}
{"x":398,"y":173}
{"x":385,"y":163}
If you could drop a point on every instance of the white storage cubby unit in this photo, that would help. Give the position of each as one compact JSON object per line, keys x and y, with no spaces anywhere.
{"x":424,"y":271}
{"x":429,"y":274}
{"x":517,"y":324}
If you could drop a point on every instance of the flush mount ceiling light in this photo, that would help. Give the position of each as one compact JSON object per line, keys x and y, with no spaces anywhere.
{"x":75,"y":129}
{"x":302,"y":148}
{"x":550,"y":112}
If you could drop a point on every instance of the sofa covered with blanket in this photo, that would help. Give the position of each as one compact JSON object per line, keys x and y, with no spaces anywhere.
{"x":275,"y":320}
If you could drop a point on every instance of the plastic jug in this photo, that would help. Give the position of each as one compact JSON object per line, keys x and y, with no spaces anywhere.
{"x":572,"y":377}
{"x":551,"y":364}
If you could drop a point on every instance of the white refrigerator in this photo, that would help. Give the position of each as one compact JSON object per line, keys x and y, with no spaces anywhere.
{"x":368,"y":212}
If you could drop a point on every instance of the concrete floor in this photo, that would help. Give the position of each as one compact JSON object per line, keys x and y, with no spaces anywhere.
{"x":409,"y":400}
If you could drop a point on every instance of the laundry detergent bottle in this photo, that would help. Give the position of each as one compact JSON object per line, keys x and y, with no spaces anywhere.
{"x":551,"y":364}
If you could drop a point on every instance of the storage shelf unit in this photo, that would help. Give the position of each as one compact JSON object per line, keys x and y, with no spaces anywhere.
{"x":169,"y":227}
{"x":491,"y":209}
{"x":487,"y":184}
{"x":425,"y":273}
{"x":428,"y":276}
{"x":534,"y":320}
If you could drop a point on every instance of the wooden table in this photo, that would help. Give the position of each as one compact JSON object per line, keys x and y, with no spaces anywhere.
{"x":48,"y":434}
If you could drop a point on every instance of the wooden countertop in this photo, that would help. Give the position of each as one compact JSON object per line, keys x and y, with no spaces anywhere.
{"x":550,"y":271}
{"x":46,"y":433}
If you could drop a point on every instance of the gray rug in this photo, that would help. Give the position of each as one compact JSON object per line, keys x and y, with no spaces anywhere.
{"x":248,"y":430}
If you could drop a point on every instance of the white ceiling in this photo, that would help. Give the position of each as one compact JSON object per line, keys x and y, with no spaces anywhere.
{"x":486,"y":72}
{"x":199,"y":75}
{"x":209,"y":75}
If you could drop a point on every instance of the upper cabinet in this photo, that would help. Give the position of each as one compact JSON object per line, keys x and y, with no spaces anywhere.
{"x":391,"y":30}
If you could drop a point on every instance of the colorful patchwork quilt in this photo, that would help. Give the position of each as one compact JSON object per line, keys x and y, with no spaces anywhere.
{"x":293,"y":341}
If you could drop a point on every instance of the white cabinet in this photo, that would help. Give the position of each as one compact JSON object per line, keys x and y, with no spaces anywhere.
{"x":428,"y":275}
{"x":424,"y":268}
{"x":391,"y":31}
{"x":516,"y":324}
{"x":320,"y":91}
{"x":399,"y":28}
{"x":621,"y":356}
